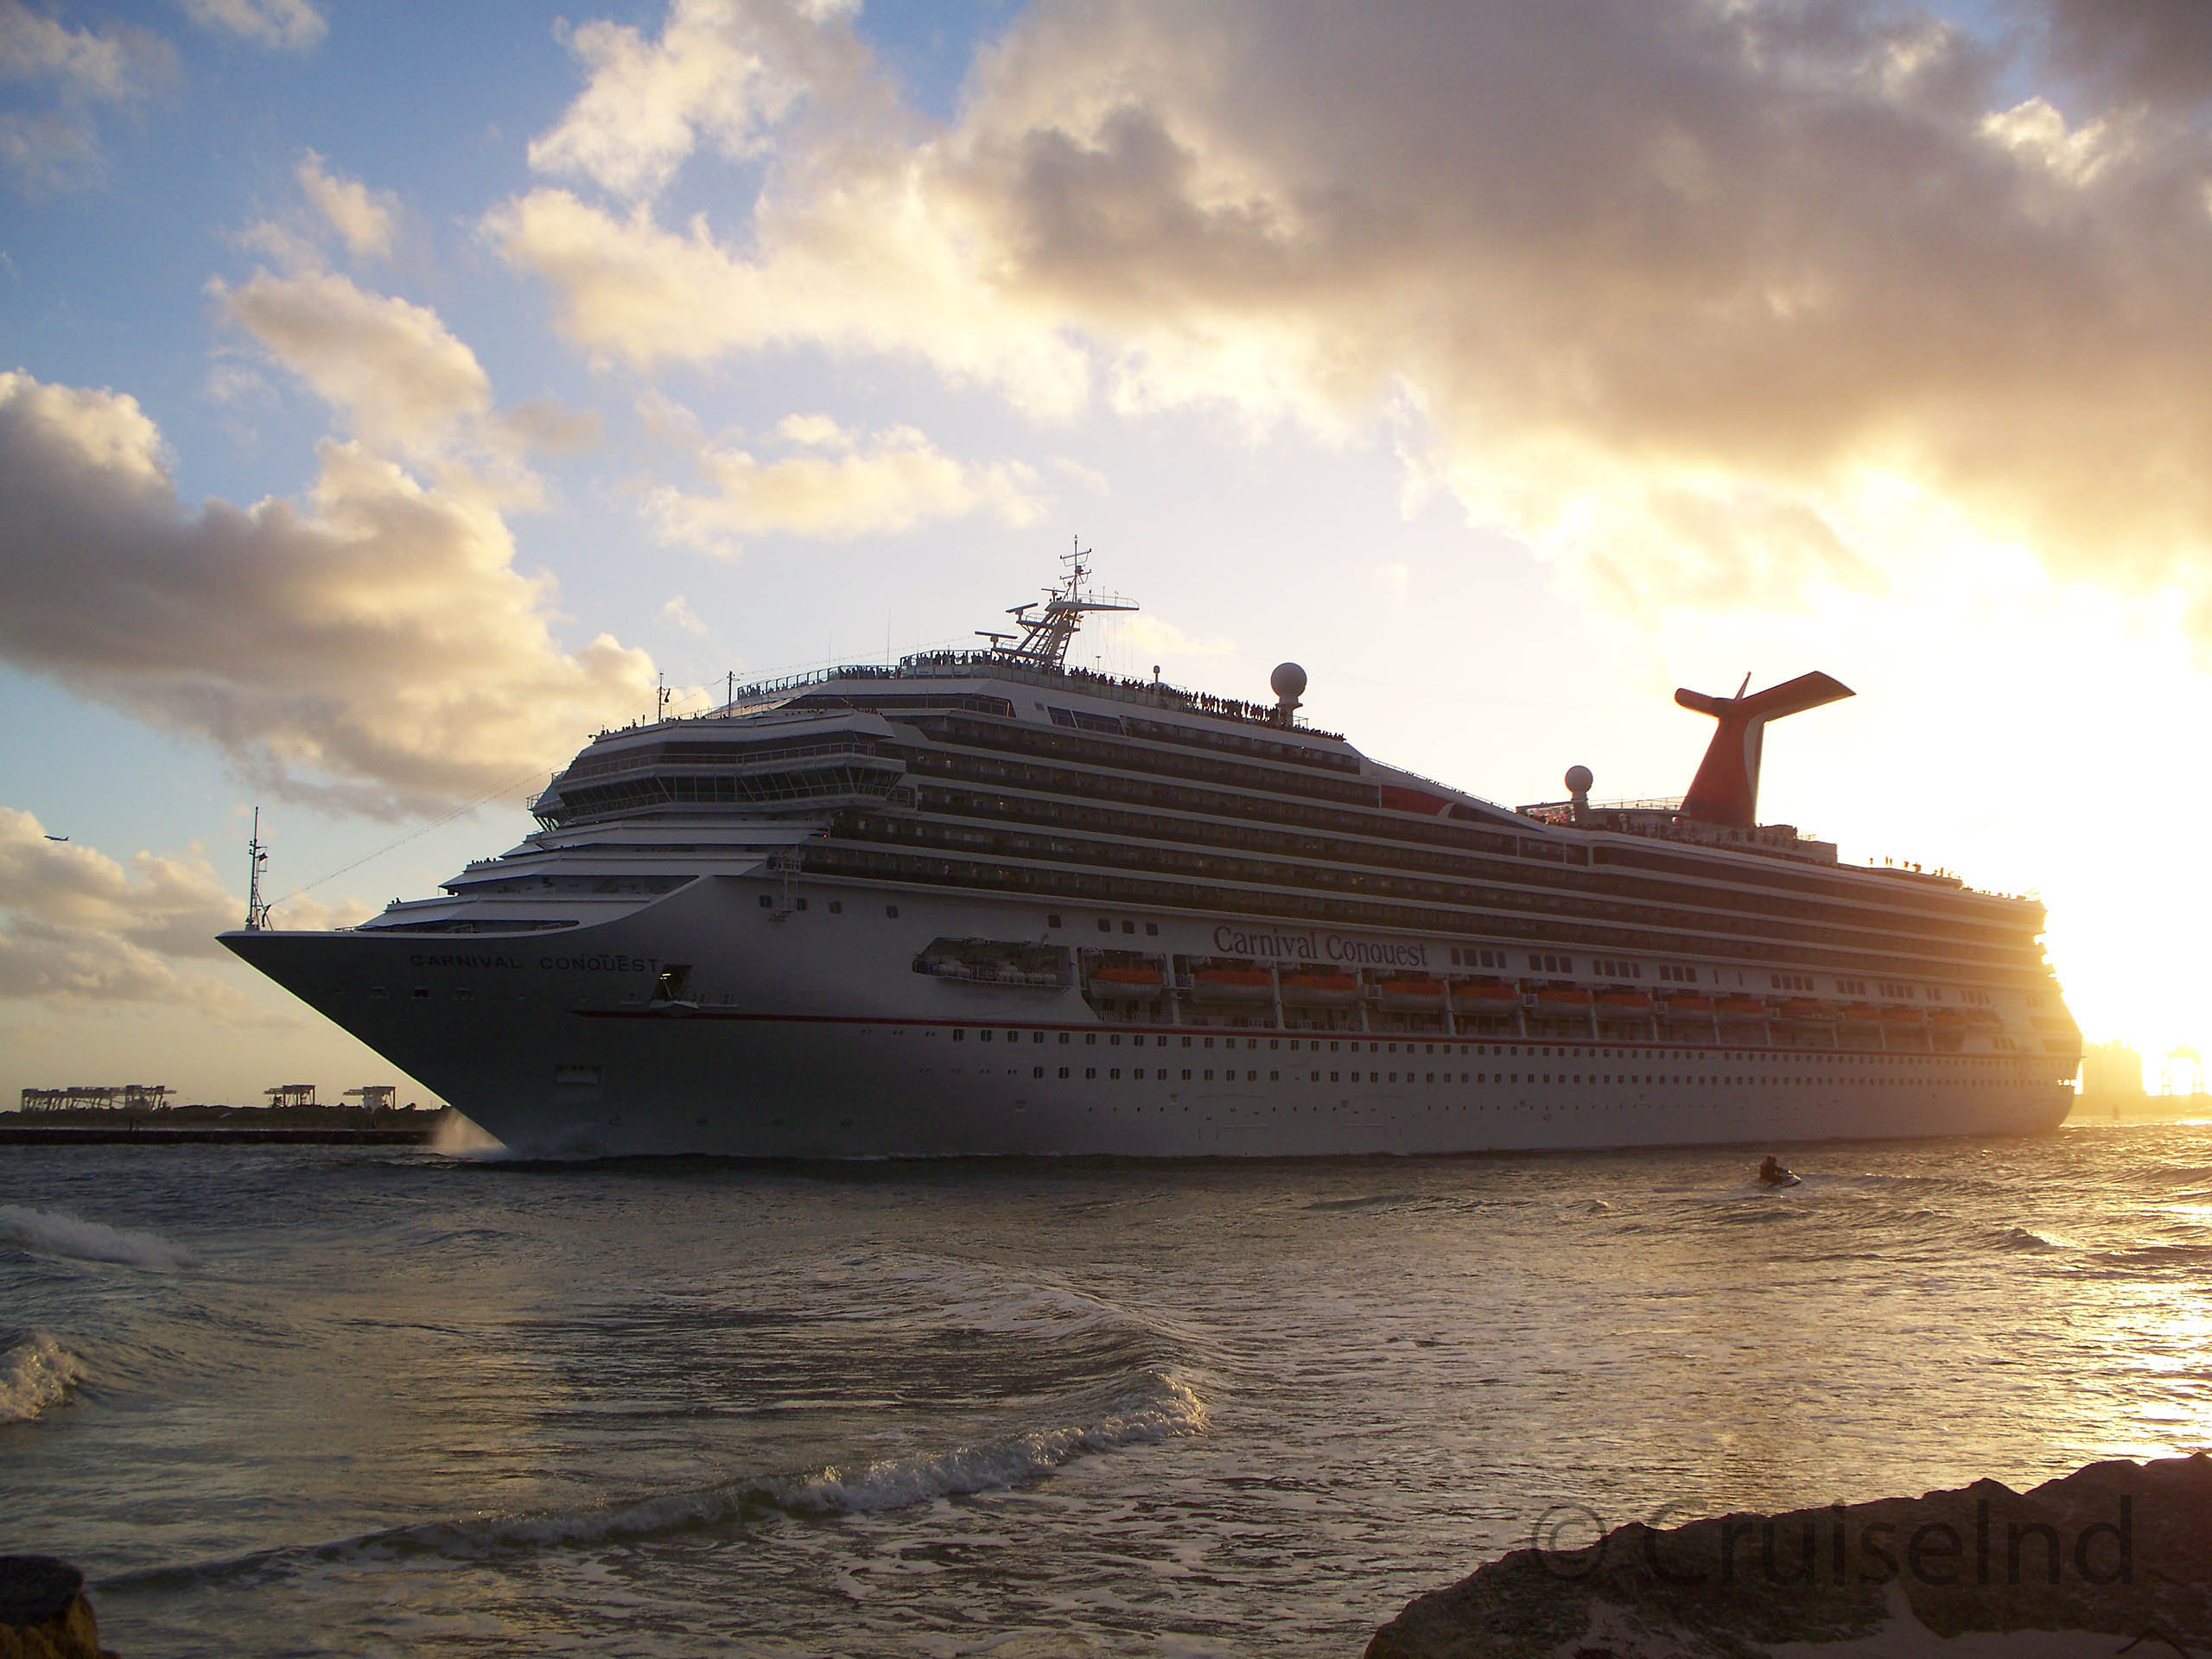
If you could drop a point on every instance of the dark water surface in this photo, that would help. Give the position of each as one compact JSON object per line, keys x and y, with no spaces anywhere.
{"x":324,"y":1401}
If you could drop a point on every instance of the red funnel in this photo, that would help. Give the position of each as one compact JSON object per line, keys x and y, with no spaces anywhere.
{"x":1727,"y":787}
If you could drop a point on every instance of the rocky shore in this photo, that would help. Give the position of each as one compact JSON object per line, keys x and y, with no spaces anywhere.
{"x":43,"y":1612}
{"x":2115,"y":1557}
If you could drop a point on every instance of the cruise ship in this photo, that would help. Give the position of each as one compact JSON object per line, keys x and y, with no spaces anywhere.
{"x":981,"y":902}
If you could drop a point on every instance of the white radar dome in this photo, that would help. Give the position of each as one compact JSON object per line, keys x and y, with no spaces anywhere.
{"x":1579,"y":779}
{"x":1287,"y":682}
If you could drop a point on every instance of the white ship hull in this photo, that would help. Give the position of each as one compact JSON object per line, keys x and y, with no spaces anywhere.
{"x":806,"y":1033}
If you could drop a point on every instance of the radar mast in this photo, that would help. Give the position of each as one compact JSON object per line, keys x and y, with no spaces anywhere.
{"x":1046,"y":631}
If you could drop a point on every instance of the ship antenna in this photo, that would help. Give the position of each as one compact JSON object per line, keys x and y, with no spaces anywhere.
{"x":1046,"y":633}
{"x":257,"y":912}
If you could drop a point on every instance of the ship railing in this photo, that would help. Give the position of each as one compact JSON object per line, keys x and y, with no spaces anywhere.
{"x":984,"y":664}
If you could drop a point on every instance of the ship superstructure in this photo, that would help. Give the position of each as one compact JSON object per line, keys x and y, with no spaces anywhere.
{"x":981,"y":902}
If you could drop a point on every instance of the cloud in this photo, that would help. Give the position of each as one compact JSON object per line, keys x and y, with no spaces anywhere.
{"x":2157,"y":50}
{"x":56,"y":148}
{"x":679,"y":611}
{"x":370,"y":647}
{"x":278,"y":25}
{"x":169,"y":905}
{"x":75,"y":923}
{"x":390,"y":367}
{"x":837,"y":486}
{"x":721,"y":71}
{"x":1664,"y":283}
{"x":364,"y":219}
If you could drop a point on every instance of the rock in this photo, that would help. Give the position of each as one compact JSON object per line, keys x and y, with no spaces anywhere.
{"x":43,"y":1612}
{"x":2114,"y":1554}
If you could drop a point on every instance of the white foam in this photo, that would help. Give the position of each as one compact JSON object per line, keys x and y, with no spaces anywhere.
{"x":35,"y":1373}
{"x":51,"y":1232}
{"x":1154,"y":1405}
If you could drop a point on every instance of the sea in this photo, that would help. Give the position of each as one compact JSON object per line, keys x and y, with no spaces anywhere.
{"x":368,"y":1401}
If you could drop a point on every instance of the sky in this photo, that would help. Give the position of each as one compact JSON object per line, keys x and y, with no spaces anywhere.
{"x":391,"y":396}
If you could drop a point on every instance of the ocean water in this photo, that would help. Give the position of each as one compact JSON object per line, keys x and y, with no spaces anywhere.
{"x":310,"y":1401}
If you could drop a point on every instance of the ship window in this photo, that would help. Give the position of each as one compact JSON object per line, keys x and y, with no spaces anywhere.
{"x":798,"y":904}
{"x":1036,"y":1071}
{"x":1064,"y":1036}
{"x":765,"y":902}
{"x":423,"y":992}
{"x":1090,"y":1039}
{"x":1209,"y":1042}
{"x":981,"y":1036}
{"x":1114,"y":1075}
{"x":1013,"y":1036}
{"x":378,"y":993}
{"x":959,"y":1035}
{"x":1153,"y":928}
{"x":1209,"y":1076}
{"x":1090,"y":1072}
{"x":1036,"y":1036}
{"x":1064,"y":1072}
{"x":1105,"y":926}
{"x":836,"y":907}
{"x":1115,"y":1041}
{"x":1129,"y":927}
{"x":1333,"y":1076}
{"x":891,"y":911}
{"x":1186,"y":1074}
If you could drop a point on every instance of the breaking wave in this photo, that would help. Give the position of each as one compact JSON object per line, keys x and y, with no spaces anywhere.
{"x":1159,"y":1404}
{"x":34,"y":1373}
{"x":53,"y":1232}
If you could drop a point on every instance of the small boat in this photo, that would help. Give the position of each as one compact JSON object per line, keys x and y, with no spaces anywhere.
{"x":1686,"y":1006}
{"x":1806,"y":1011}
{"x":1317,"y":988}
{"x":1562,"y":1002}
{"x":1125,"y":980}
{"x":1861,"y":1013}
{"x":1485,"y":1000}
{"x":1771,"y":1173}
{"x":1625,"y":1005}
{"x":1896,"y":1014}
{"x":1745,"y":1007}
{"x":1416,"y":991}
{"x":1232,"y":985}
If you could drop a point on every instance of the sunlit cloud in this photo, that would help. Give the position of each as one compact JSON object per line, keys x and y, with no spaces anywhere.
{"x":679,"y":611}
{"x":370,"y":647}
{"x":834,"y":486}
{"x":75,"y":925}
{"x":1644,"y":272}
{"x":277,"y":25}
{"x":365,"y":218}
{"x":119,"y":68}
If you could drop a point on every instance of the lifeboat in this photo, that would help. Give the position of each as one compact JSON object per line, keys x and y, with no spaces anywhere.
{"x":1745,"y":1007}
{"x":1806,"y":1011}
{"x":1233,"y":985}
{"x":1984,"y":1018}
{"x":1562,"y":1002}
{"x":1897,"y":1014}
{"x":1947,"y":1019}
{"x":1411,"y":991}
{"x":1485,"y":1000}
{"x":1861,"y":1014}
{"x":1126,"y":980}
{"x":1318,"y":988}
{"x":1625,"y":1005}
{"x":1687,"y":1005}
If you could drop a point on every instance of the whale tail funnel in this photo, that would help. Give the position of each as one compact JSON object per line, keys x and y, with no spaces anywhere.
{"x":1726,"y":788}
